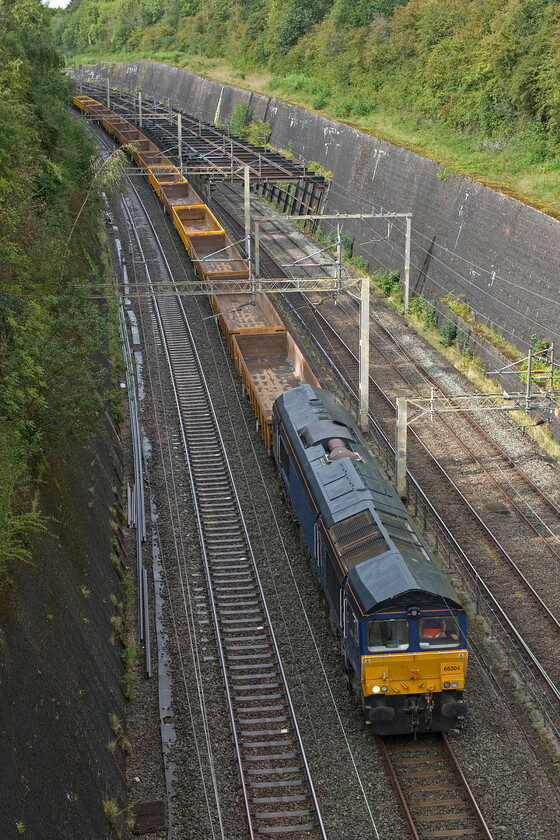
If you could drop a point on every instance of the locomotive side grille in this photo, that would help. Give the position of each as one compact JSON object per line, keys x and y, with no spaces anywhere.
{"x":358,"y":539}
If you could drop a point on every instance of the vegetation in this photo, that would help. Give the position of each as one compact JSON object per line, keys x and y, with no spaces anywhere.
{"x":240,"y":121}
{"x":454,"y":341}
{"x":474,"y":85}
{"x":54,"y":386}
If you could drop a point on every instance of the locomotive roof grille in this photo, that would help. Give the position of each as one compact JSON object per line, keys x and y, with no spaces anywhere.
{"x":403,"y":535}
{"x":358,"y":539}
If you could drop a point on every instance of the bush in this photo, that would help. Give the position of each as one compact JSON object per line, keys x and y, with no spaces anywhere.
{"x":538,"y":344}
{"x":387,"y":282}
{"x":430,"y":317}
{"x":240,"y":120}
{"x":417,"y":306}
{"x":354,"y":106}
{"x":258,"y":133}
{"x":448,"y":333}
{"x":361,"y":264}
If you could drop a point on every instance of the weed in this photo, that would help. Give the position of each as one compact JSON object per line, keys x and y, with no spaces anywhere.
{"x":539,"y":344}
{"x":117,"y":624}
{"x":121,"y":738}
{"x":111,"y":811}
{"x":129,"y":656}
{"x":431,"y":317}
{"x":360,"y":263}
{"x":445,"y":173}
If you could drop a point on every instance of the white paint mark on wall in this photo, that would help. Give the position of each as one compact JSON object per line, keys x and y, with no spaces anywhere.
{"x":463,"y":215}
{"x":378,"y":154}
{"x":217,"y":115}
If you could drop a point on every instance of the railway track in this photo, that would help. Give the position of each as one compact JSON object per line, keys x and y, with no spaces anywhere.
{"x":536,"y":508}
{"x":434,"y":793}
{"x":277,"y":788}
{"x":343,"y":359}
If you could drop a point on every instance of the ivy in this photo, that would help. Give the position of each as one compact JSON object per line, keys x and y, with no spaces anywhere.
{"x":53,"y":332}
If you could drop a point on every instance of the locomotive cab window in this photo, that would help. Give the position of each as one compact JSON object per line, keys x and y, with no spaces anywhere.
{"x":387,"y":634}
{"x":439,"y":631}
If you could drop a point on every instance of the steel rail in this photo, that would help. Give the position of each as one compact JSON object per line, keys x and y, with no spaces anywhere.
{"x":510,"y":631}
{"x":264,"y":164}
{"x":448,"y":778}
{"x":138,"y":497}
{"x":466,"y":787}
{"x":171,"y":317}
{"x":449,"y":478}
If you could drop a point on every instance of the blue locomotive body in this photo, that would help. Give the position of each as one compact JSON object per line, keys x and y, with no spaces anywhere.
{"x":402,"y":629}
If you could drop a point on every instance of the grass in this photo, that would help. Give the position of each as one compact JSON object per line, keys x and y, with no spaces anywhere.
{"x":112,"y":812}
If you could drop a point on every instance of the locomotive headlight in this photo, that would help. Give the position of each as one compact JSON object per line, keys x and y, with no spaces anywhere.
{"x":376,"y":689}
{"x":455,"y":684}
{"x":447,"y":685}
{"x":384,"y":688}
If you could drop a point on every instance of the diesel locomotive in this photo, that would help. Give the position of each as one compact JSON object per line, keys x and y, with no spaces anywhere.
{"x":401,"y":626}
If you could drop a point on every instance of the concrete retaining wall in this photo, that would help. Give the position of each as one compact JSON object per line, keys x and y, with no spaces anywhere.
{"x":500,"y":254}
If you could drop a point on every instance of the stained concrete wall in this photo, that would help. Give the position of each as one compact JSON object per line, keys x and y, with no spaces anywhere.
{"x":60,"y":674}
{"x":500,"y":254}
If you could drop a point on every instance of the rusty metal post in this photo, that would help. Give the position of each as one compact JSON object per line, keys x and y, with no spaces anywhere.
{"x":180,"y":142}
{"x":257,"y":249}
{"x":529,"y":373}
{"x":247,"y":201}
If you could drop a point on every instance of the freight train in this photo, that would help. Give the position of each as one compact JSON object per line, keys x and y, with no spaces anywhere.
{"x":401,"y":627}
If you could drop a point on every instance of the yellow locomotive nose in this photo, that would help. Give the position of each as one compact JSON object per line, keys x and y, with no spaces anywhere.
{"x":411,"y":673}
